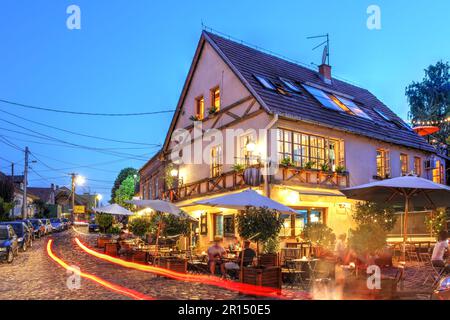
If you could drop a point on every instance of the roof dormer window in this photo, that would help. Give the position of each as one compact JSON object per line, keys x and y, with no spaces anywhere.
{"x":266,"y":83}
{"x":290,"y":85}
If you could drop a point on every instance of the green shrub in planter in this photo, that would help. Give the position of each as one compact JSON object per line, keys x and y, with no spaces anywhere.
{"x":140,"y":226}
{"x":114,"y":229}
{"x":375,"y":213}
{"x":104,"y":221}
{"x":271,"y":245}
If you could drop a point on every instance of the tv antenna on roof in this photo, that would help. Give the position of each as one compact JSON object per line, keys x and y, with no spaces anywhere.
{"x":326,"y":49}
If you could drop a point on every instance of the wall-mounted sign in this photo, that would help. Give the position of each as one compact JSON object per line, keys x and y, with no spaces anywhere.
{"x":79,"y":209}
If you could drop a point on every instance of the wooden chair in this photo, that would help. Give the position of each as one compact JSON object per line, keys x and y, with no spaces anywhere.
{"x":111,"y":249}
{"x":293,"y":275}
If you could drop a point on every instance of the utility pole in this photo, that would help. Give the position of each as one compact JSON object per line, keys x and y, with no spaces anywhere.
{"x":25,"y":182}
{"x":72,"y":215}
{"x":12,"y":169}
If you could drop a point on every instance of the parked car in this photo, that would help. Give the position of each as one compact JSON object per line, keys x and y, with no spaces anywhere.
{"x":66,"y":222}
{"x":57,"y":224}
{"x":31,"y":227}
{"x":39,"y":227}
{"x":24,"y":234}
{"x":47,"y":225}
{"x":93,"y":226}
{"x":9,"y":246}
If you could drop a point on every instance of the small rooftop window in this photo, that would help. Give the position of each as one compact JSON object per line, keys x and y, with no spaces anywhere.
{"x":290,"y":85}
{"x":381,"y":114}
{"x":354,"y":108}
{"x":323,"y":98}
{"x":266,"y":83}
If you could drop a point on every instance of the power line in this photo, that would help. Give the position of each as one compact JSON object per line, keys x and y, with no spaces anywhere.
{"x":84,"y":113}
{"x":118,"y":154}
{"x":80,"y":134}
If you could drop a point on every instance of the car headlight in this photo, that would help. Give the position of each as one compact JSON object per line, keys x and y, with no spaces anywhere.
{"x":20,"y":239}
{"x":2,"y":249}
{"x":444,"y":284}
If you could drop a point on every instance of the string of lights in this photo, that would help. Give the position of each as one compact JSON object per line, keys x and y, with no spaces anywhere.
{"x":430,"y":122}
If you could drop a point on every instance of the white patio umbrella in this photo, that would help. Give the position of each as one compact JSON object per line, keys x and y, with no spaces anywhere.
{"x":157,"y":205}
{"x":247,"y":198}
{"x":402,"y":190}
{"x":113,"y":209}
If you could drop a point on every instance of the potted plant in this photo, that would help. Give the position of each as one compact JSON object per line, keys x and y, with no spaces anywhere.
{"x":309,"y":165}
{"x":436,"y":222}
{"x":320,"y":236}
{"x":269,"y":258}
{"x":325,"y":167}
{"x":237,"y":167}
{"x":340,"y":169}
{"x":104,"y":221}
{"x":213,"y":110}
{"x":140,"y":226}
{"x":260,"y":225}
{"x":194,"y":118}
{"x":286,"y":162}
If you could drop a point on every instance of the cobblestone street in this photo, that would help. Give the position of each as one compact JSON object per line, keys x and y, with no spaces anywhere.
{"x":33,"y":275}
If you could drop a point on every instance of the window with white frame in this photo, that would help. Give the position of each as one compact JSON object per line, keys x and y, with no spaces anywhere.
{"x":216,"y":161}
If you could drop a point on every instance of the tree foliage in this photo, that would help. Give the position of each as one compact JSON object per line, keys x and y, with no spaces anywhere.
{"x":42,"y":208}
{"x":375,"y":213}
{"x":264,"y":222}
{"x":6,"y":189}
{"x":104,"y":221}
{"x":123,"y":174}
{"x":319,"y":234}
{"x":170,"y":225}
{"x":437,"y":222}
{"x":367,"y":239}
{"x":430,"y":98}
{"x":140,"y":226}
{"x":125,"y":192}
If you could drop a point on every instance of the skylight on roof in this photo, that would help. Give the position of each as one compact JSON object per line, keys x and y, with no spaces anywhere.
{"x":290,"y":85}
{"x":266,"y":83}
{"x":353,"y":107}
{"x":381,"y":114}
{"x":323,"y":98}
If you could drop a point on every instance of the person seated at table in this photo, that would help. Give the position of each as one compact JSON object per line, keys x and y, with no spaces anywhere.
{"x":215,"y":255}
{"x":249,"y":255}
{"x":121,"y":243}
{"x":440,"y":248}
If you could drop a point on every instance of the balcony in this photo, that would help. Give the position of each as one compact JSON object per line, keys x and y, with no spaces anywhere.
{"x":313,"y":177}
{"x":232,"y":180}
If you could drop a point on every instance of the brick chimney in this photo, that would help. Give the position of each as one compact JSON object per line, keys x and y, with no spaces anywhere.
{"x":325,"y":73}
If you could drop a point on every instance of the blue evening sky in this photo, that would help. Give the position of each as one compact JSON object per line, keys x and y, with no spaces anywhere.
{"x":133,"y":56}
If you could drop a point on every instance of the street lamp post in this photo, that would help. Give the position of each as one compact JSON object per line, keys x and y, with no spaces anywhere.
{"x":76,"y":180}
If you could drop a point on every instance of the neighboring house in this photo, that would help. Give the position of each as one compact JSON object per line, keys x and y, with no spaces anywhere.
{"x":16,"y":212}
{"x":329,"y":135}
{"x":64,"y":200}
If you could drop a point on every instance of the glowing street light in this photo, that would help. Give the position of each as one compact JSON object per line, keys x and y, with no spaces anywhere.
{"x":76,"y":180}
{"x":80,"y":180}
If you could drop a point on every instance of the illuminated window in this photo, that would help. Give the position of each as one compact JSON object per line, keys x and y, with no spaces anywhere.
{"x":353,"y":107}
{"x":309,"y":150}
{"x":293,"y":225}
{"x":266,"y":83}
{"x":216,"y":161}
{"x":215,"y":98}
{"x":438,"y":172}
{"x":218,"y":225}
{"x":200,"y":107}
{"x":323,"y":98}
{"x":404,"y":164}
{"x":246,"y":156}
{"x":383,"y":163}
{"x":418,"y":166}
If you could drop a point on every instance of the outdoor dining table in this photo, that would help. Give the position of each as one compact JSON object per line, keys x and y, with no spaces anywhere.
{"x":308,"y":265}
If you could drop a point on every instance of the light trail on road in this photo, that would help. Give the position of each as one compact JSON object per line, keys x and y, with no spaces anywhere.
{"x":208,"y":280}
{"x":111,"y":286}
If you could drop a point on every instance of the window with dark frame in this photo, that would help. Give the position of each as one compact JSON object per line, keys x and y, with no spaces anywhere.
{"x":216,"y":161}
{"x":418,"y":166}
{"x":404,"y":163}
{"x":215,"y":98}
{"x":302,"y":148}
{"x":228,"y":225}
{"x":204,"y":223}
{"x":383,"y":163}
{"x":200,"y":107}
